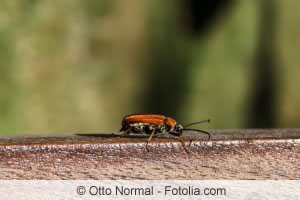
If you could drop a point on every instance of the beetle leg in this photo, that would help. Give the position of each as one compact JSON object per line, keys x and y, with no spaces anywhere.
{"x":151,"y":135}
{"x":149,"y":139}
{"x":125,"y":132}
{"x":183,"y":144}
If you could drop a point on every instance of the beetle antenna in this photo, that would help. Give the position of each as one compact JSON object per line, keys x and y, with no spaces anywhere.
{"x":207,"y":133}
{"x":194,"y":123}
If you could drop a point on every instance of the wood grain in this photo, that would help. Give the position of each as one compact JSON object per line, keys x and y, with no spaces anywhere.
{"x":230,"y":154}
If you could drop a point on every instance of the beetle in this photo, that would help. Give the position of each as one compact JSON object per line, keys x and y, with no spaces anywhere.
{"x":153,"y":124}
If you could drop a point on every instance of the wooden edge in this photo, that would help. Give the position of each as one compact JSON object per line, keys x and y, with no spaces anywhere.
{"x":231,"y":154}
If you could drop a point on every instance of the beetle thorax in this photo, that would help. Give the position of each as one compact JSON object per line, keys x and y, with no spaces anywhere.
{"x":176,"y":129}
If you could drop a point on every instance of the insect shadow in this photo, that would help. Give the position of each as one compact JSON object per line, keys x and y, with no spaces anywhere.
{"x":100,"y":135}
{"x":160,"y":136}
{"x":142,"y":136}
{"x":111,"y":135}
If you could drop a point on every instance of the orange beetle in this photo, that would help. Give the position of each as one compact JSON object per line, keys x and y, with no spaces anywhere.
{"x":153,"y":124}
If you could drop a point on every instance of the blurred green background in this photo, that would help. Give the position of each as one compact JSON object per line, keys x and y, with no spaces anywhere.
{"x":81,"y":66}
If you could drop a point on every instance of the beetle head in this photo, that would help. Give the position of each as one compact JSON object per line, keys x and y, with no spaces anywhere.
{"x":176,"y":130}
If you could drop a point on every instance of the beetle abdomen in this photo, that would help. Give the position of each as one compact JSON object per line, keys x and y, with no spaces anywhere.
{"x":142,"y":128}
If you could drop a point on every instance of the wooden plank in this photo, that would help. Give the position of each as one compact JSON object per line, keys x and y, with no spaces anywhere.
{"x":229,"y":154}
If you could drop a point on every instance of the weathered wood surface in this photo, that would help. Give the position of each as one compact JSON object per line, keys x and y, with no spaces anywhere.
{"x":229,"y":154}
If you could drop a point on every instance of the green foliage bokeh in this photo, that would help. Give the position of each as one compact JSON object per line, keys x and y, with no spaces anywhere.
{"x":80,"y":66}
